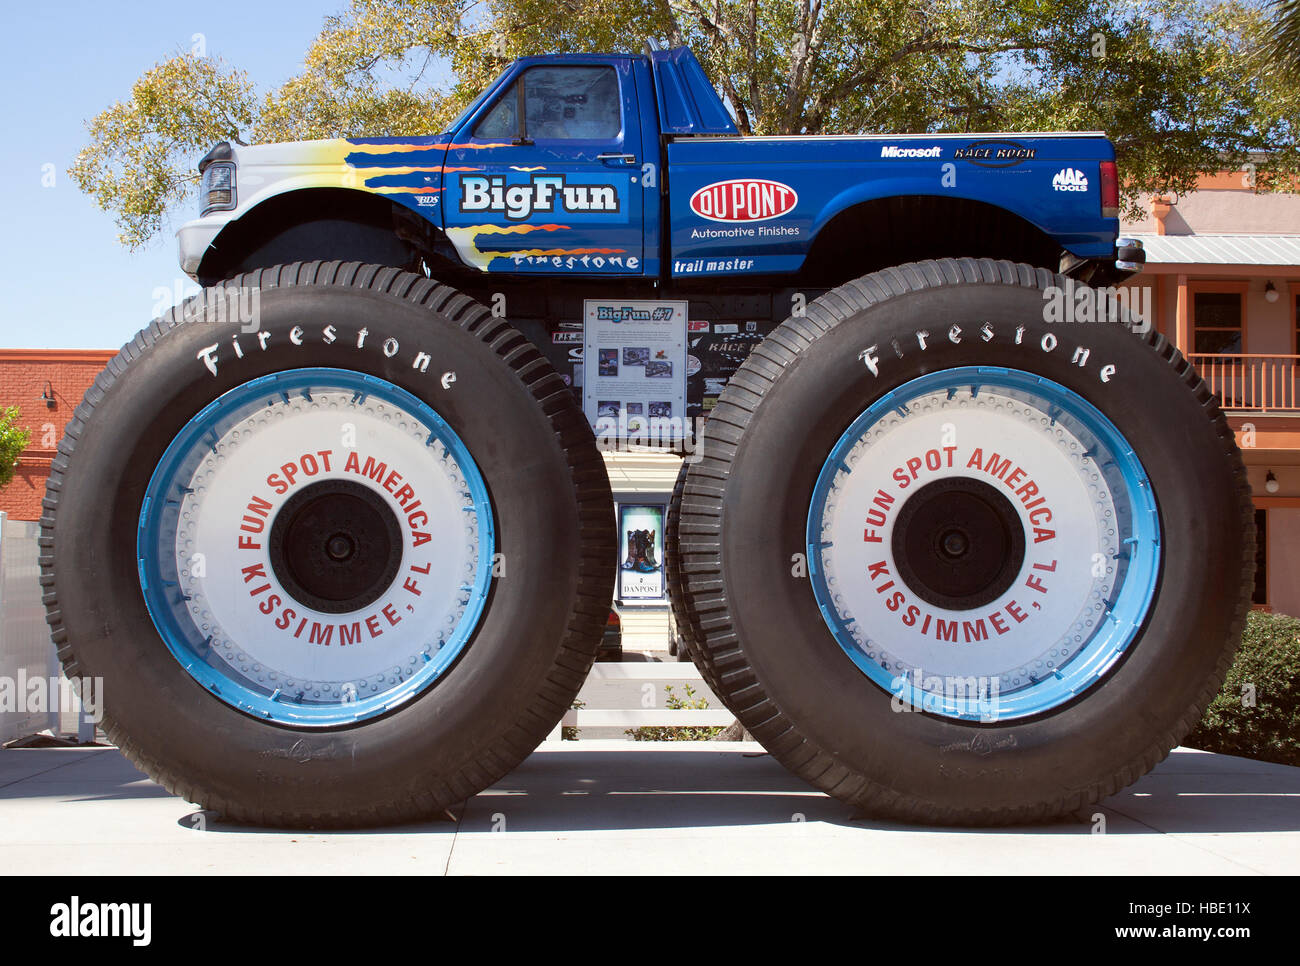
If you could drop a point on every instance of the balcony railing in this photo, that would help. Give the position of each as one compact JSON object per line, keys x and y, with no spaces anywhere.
{"x":1251,"y":381}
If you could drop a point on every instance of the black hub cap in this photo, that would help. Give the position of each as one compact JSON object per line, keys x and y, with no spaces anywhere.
{"x":958,"y":543}
{"x":335,"y":546}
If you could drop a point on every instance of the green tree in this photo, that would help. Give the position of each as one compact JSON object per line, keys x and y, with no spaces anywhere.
{"x":1170,"y":81}
{"x":142,"y":151}
{"x":13,"y":440}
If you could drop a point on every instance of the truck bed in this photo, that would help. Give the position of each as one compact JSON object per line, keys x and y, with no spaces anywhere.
{"x":742,"y":205}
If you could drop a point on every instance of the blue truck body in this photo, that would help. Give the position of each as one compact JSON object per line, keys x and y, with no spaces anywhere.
{"x":670,"y":191}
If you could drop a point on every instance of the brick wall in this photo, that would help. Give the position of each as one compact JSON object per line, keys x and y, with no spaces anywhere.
{"x":26,"y":374}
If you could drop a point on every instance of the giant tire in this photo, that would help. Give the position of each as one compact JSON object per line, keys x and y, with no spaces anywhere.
{"x":684,"y":621}
{"x":821,"y":669}
{"x":511,"y":568}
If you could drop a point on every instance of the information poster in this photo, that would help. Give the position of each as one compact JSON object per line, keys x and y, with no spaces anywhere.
{"x":634,"y":364}
{"x":641,"y":552}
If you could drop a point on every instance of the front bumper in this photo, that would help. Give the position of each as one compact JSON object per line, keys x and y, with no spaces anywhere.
{"x":194,"y":238}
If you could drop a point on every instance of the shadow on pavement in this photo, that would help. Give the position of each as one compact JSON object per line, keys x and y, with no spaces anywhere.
{"x":574,"y":791}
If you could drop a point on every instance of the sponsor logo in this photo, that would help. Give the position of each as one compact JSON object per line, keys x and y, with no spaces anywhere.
{"x":872,"y":356}
{"x":562,"y":338}
{"x":213,"y":355}
{"x":894,"y":151}
{"x":579,"y":262}
{"x":542,"y":193}
{"x":426,"y":201}
{"x":744,"y":199}
{"x":694,"y":326}
{"x":1069,"y":179}
{"x":698,"y":265}
{"x":995,"y":154}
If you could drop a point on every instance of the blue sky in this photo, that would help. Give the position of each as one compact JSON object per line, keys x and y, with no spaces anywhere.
{"x":65,"y":281}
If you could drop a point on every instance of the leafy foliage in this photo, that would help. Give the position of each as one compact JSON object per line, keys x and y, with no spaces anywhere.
{"x":13,"y":440}
{"x":1257,"y":714}
{"x":141,"y":155}
{"x":1176,"y":83}
{"x":567,"y":732}
{"x":675,"y":733}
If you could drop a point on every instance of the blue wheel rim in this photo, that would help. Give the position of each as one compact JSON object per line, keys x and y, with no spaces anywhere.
{"x":1127,"y":607}
{"x":159,"y":574}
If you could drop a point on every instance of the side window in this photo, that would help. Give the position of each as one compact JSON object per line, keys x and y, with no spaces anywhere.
{"x":501,"y":122}
{"x":1217,"y":321}
{"x":559,"y":102}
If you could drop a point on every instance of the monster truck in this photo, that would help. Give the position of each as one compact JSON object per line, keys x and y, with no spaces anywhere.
{"x":338,"y":537}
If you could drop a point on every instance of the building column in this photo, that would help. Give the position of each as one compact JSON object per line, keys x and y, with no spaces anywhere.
{"x":1182,"y":317}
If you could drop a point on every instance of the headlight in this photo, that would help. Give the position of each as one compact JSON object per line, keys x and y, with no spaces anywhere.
{"x":217,"y":187}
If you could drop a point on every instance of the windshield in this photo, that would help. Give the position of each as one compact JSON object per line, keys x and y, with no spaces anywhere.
{"x":473,"y":105}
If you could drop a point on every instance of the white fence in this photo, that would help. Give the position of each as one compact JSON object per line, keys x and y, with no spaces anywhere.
{"x":26,"y":653}
{"x":34,"y":696}
{"x":631,"y":695}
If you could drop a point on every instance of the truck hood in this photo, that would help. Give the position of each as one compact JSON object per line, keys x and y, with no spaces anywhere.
{"x":404,"y":168}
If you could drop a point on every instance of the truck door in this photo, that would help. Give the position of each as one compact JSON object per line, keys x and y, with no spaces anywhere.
{"x":545,"y":178}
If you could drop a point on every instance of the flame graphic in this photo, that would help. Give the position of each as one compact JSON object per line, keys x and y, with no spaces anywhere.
{"x":378,"y":172}
{"x":511,"y":229}
{"x":382,"y":149}
{"x":396,"y":190}
{"x":466,"y":241}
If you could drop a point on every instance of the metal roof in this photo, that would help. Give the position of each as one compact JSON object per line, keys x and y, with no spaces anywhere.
{"x":1221,"y":249}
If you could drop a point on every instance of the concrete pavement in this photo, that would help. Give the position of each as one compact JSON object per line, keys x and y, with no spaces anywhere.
{"x":658,"y":808}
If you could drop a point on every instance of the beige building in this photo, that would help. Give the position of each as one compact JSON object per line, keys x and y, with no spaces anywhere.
{"x":1223,"y":283}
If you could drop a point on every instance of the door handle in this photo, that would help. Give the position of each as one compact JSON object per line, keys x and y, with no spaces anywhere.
{"x":614,"y":156}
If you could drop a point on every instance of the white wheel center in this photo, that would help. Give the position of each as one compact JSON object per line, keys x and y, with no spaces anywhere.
{"x":223,"y":546}
{"x":1055,"y":601}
